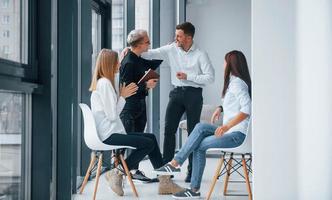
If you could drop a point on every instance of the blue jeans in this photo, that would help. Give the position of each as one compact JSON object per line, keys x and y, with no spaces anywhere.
{"x":201,"y":139}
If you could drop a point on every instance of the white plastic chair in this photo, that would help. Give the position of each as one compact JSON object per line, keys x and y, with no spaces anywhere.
{"x":93,"y":141}
{"x":244,"y":150}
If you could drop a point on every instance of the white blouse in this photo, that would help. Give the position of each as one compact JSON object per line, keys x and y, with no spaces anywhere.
{"x":237,"y":100}
{"x":106,"y":107}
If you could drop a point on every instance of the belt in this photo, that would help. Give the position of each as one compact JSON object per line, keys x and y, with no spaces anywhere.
{"x":188,"y":88}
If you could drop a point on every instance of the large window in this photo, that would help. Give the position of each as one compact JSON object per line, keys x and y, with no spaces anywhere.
{"x":96,"y":37}
{"x":13,"y":17}
{"x":11,"y":132}
{"x":118,"y":35}
{"x":142,"y":15}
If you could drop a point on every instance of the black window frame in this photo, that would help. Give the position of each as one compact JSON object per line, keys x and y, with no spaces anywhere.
{"x":23,"y":76}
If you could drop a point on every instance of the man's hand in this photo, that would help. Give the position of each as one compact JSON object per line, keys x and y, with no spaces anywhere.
{"x":221,"y":130}
{"x":123,"y":54}
{"x":181,"y":75}
{"x":150,"y":84}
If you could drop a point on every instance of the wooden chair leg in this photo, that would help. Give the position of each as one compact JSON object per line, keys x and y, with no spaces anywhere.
{"x":244,"y":165}
{"x":216,"y":175}
{"x":100,"y":161}
{"x":92,"y":161}
{"x":229,"y":167}
{"x":124,"y":164}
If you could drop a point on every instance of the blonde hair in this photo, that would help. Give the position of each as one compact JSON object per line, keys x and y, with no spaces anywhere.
{"x":106,"y":66}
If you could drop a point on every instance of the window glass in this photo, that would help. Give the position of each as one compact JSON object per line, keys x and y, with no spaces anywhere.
{"x":96,"y":37}
{"x":11,"y":127}
{"x":14,"y":20}
{"x":118,"y":36}
{"x":142,"y":15}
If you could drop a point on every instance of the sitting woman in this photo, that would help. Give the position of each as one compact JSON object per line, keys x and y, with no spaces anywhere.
{"x":237,"y":109}
{"x":107,"y":102}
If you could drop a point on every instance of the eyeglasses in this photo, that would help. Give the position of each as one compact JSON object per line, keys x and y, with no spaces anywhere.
{"x":146,"y":42}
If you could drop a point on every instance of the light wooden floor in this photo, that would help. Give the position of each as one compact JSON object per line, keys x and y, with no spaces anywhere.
{"x":150,"y":190}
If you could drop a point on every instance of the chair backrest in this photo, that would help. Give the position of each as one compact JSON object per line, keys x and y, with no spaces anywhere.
{"x":245,"y":147}
{"x":91,"y":136}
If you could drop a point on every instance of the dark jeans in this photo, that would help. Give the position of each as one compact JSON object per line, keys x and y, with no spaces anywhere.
{"x":181,"y":99}
{"x":145,"y":144}
{"x":133,"y":117}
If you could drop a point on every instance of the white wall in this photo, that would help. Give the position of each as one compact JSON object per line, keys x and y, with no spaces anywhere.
{"x":274,"y":100}
{"x":314,"y":94}
{"x":292,"y":99}
{"x":221,"y":26}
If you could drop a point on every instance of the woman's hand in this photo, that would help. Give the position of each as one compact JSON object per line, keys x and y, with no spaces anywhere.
{"x":150,"y":84}
{"x":129,"y":90}
{"x":216,"y":115}
{"x":221,"y":130}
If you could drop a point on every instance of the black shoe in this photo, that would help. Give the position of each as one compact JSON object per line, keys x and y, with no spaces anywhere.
{"x":139,"y":176}
{"x":187,"y":194}
{"x":188,"y":178}
{"x":154,"y":180}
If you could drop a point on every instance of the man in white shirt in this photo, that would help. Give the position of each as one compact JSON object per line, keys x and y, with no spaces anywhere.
{"x":191,"y":69}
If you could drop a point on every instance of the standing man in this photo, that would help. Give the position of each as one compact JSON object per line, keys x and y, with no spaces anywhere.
{"x":133,"y":67}
{"x":191,"y":69}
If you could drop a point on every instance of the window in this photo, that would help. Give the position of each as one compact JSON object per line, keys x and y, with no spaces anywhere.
{"x":118,"y":35}
{"x":4,"y":53}
{"x":96,"y":37}
{"x":4,"y":3}
{"x":142,"y":15}
{"x":5,"y":19}
{"x":11,"y":154}
{"x":15,"y":19}
{"x":5,"y":34}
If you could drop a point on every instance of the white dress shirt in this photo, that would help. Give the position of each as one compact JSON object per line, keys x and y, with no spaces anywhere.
{"x":237,"y":100}
{"x":195,"y":63}
{"x":106,"y":107}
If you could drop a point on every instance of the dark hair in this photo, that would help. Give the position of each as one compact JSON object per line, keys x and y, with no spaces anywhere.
{"x":236,"y":64}
{"x":187,"y":28}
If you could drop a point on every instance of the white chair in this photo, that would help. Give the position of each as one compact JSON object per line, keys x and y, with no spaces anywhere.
{"x":244,"y":150}
{"x":93,"y":141}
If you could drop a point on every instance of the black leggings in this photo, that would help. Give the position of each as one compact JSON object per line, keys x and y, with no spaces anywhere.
{"x":145,"y":144}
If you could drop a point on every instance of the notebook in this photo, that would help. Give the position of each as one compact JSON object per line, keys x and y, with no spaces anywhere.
{"x":150,"y":74}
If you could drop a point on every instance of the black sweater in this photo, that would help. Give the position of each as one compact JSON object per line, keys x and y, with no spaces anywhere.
{"x":132,"y":69}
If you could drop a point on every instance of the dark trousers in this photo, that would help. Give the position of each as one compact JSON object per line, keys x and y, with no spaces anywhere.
{"x":133,"y":117}
{"x":181,"y":99}
{"x":145,"y":144}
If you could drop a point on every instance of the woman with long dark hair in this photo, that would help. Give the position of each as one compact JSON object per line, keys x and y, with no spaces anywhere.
{"x":236,"y":108}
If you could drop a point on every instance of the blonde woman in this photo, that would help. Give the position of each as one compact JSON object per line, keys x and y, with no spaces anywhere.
{"x":106,"y":105}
